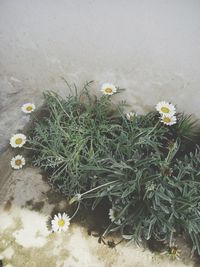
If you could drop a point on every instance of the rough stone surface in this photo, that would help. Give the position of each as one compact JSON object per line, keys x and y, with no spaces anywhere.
{"x":26,"y":204}
{"x":151,"y":48}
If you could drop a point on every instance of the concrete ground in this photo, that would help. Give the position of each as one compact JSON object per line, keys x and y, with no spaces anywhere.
{"x":27,"y":202}
{"x":151,"y":48}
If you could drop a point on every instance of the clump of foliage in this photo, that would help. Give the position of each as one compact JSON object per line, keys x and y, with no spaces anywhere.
{"x":148,"y":171}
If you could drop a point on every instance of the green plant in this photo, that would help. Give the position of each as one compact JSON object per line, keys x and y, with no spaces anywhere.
{"x":148,"y":171}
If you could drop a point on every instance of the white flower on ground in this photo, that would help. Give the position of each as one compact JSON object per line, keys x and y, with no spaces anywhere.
{"x":113,"y":213}
{"x":28,"y":108}
{"x":17,"y":140}
{"x":165,"y":108}
{"x":17,"y":162}
{"x":130,"y":116}
{"x":168,"y":120}
{"x":108,"y":89}
{"x":60,"y":222}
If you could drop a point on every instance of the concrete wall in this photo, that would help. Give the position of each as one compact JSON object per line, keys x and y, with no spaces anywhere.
{"x":150,"y":47}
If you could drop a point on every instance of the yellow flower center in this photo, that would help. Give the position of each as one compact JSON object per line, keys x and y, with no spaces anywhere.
{"x":166,"y":119}
{"x":174,"y":251}
{"x":61,"y":223}
{"x":165,"y":110}
{"x":18,"y":141}
{"x":108,"y":90}
{"x":29,"y":108}
{"x":115,"y":214}
{"x":18,"y":162}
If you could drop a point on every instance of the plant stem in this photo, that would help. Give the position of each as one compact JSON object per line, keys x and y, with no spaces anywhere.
{"x":75,"y":211}
{"x":93,"y":189}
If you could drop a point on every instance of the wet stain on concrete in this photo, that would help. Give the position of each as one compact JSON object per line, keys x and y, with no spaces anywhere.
{"x":38,"y":205}
{"x":8,"y":205}
{"x":25,"y":240}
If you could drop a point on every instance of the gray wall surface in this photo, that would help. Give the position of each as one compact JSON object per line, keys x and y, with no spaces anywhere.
{"x":149,"y":47}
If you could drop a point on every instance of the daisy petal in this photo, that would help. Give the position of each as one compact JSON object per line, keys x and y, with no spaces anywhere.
{"x":108,"y":89}
{"x":28,"y":108}
{"x":166,"y":108}
{"x":60,"y":222}
{"x":17,"y":140}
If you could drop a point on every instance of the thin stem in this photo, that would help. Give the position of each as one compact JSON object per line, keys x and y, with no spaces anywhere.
{"x":61,"y":105}
{"x":154,"y":128}
{"x":93,"y":189}
{"x":76,"y":211}
{"x":29,"y":148}
{"x":171,"y":238}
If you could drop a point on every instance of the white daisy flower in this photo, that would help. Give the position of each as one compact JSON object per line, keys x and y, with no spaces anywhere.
{"x":113,"y":215}
{"x":17,"y":162}
{"x":165,"y":108}
{"x":60,"y":222}
{"x":28,"y":108}
{"x":108,"y":89}
{"x":168,"y":120}
{"x":130,"y":116}
{"x":17,"y":140}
